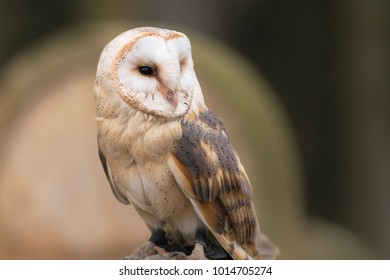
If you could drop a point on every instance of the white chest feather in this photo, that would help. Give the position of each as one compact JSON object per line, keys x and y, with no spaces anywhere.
{"x":137,"y":151}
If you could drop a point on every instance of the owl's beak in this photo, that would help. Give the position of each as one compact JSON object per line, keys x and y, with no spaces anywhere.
{"x":170,"y":94}
{"x":172,"y":97}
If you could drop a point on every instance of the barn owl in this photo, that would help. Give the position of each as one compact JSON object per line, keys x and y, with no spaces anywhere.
{"x":167,"y":154}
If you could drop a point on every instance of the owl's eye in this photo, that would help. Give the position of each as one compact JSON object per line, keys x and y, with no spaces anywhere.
{"x":146,"y":70}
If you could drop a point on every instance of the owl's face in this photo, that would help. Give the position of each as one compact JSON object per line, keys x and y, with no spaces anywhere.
{"x":151,"y":69}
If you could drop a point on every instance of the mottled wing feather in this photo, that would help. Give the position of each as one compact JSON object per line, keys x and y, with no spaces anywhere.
{"x":211,"y":175}
{"x":205,"y":150}
{"x":107,"y":171}
{"x":213,"y":214}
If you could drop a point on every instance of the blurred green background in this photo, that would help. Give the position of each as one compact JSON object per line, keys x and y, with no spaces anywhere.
{"x":321,"y":125}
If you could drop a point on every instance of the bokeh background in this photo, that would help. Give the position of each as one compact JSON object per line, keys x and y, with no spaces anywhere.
{"x":303,"y":87}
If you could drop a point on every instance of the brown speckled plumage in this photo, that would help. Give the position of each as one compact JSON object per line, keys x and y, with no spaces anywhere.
{"x":217,"y":181}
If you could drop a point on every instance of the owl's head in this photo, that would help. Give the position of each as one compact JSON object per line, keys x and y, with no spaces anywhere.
{"x":151,"y":69}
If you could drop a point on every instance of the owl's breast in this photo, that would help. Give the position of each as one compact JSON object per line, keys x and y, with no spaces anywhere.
{"x":141,"y":136}
{"x":137,"y":147}
{"x":155,"y":194}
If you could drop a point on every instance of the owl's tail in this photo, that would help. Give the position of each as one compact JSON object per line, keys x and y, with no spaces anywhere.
{"x":268,"y":250}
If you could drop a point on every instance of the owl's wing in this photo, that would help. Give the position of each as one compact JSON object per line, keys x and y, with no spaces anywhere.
{"x":210,"y":174}
{"x":107,"y":171}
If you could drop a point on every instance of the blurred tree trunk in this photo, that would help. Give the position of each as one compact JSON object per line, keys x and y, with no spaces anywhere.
{"x":367,"y":104}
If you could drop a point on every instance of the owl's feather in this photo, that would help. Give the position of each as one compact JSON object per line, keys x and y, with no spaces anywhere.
{"x":110,"y":179}
{"x":209,"y":172}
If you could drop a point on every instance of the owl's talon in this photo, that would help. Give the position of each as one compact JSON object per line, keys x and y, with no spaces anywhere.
{"x":197,"y":253}
{"x":146,"y":250}
{"x":177,"y":255}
